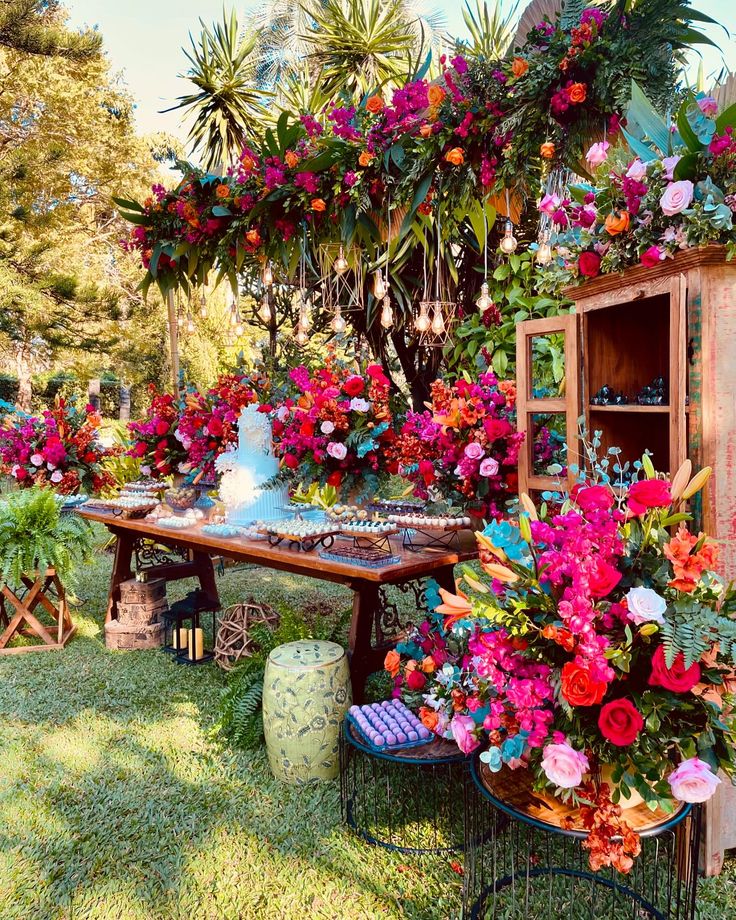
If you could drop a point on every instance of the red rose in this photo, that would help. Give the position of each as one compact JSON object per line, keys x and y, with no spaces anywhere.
{"x":620,"y":722}
{"x":89,"y":457}
{"x":426,"y":471}
{"x":265,"y":408}
{"x":162,"y":445}
{"x":21,"y":473}
{"x":277,"y":427}
{"x":603,"y":578}
{"x":677,"y":678}
{"x":214,"y":426}
{"x":354,"y":386}
{"x":496,"y":428}
{"x":140,"y":449}
{"x":375,"y":372}
{"x":579,"y":688}
{"x":291,"y":461}
{"x":307,"y":429}
{"x":593,"y":498}
{"x":589,"y":264}
{"x":649,"y":493}
{"x":334,"y":479}
{"x":162,"y":427}
{"x":415,"y":680}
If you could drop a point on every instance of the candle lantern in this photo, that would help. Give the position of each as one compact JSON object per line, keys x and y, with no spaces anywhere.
{"x":184,"y":636}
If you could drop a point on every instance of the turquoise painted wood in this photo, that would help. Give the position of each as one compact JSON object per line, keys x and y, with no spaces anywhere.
{"x":306,"y":694}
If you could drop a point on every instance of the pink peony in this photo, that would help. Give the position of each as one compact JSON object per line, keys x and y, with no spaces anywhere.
{"x":677,"y":196}
{"x":597,"y":154}
{"x":637,"y":171}
{"x":489,"y":467}
{"x":337,"y":450}
{"x":462,"y":731}
{"x":645,"y":606}
{"x":693,"y":781}
{"x":653,"y":256}
{"x":563,"y":765}
{"x":474,"y":451}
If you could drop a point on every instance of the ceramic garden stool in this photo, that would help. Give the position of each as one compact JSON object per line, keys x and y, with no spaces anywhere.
{"x":306,"y":693}
{"x":407,"y":800}
{"x":521,"y":863}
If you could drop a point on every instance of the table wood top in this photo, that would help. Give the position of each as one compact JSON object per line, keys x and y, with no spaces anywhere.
{"x":310,"y":564}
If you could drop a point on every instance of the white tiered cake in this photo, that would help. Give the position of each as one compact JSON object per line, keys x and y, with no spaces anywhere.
{"x":245,"y":470}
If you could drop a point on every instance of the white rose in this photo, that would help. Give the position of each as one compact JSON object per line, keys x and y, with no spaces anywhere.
{"x":645,"y":606}
{"x":327,"y":427}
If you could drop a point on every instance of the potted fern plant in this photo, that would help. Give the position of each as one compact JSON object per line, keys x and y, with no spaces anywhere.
{"x":40,"y":551}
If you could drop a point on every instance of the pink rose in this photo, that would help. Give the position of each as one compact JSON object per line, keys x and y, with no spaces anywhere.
{"x":594,"y":498}
{"x":597,"y":154}
{"x":563,"y":765}
{"x":708,"y":106}
{"x":489,"y":467}
{"x":56,"y":476}
{"x":669,"y":164}
{"x":677,"y":196}
{"x":474,"y":451}
{"x":549,"y":204}
{"x":337,"y":450}
{"x":327,"y":427}
{"x":693,"y":781}
{"x":37,"y":459}
{"x":653,"y":256}
{"x":637,"y":171}
{"x":462,"y":731}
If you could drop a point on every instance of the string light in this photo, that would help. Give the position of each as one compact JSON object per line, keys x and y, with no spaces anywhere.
{"x":341,"y":263}
{"x":301,"y":337}
{"x":508,"y":242}
{"x":203,"y":307}
{"x":265,"y":310}
{"x":544,"y":253}
{"x":387,"y":314}
{"x":422,"y":322}
{"x":484,"y":302}
{"x":438,"y":322}
{"x":239,"y":330}
{"x":233,"y":316}
{"x":338,"y":322}
{"x":380,"y":288}
{"x":268,"y":275}
{"x":190,"y":323}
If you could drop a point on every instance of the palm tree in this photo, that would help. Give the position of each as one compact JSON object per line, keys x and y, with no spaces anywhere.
{"x":228,"y":106}
{"x":491,"y":32}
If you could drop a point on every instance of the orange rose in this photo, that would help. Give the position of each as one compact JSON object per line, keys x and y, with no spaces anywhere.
{"x":392,"y":662}
{"x":456,"y":156}
{"x":519,"y":67}
{"x":547,"y":150}
{"x":248,"y":163}
{"x":577,"y":92}
{"x":222,"y":191}
{"x":435,"y":94}
{"x":291,"y":159}
{"x":429,"y":718}
{"x":374,"y":105}
{"x":411,"y":665}
{"x":428,"y":665}
{"x":254,"y":237}
{"x":366,"y":158}
{"x":617,"y":222}
{"x":318,"y":204}
{"x":425,"y":130}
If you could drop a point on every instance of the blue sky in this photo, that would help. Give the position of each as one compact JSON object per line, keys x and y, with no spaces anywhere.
{"x":144,"y":39}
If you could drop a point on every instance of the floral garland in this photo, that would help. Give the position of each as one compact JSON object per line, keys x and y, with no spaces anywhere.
{"x":465,"y":447}
{"x":60,"y":449}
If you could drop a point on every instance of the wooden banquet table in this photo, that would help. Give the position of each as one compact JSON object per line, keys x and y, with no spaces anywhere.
{"x":375,"y":619}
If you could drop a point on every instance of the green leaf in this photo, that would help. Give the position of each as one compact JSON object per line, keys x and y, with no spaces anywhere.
{"x":221,"y":211}
{"x":128,"y":204}
{"x":727,"y":119}
{"x":649,"y":120}
{"x":500,"y":362}
{"x":685,"y":128}
{"x":687,"y":167}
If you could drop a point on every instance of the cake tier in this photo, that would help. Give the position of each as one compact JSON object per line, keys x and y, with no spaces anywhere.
{"x":266,"y":505}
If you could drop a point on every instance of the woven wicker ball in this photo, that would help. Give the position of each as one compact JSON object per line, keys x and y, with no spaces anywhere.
{"x":233,"y":640}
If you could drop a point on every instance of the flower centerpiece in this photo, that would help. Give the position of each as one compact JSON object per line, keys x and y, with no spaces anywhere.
{"x":154,"y":439}
{"x":464,"y":447}
{"x":333,"y":428}
{"x":605,"y":650}
{"x":59,"y":449}
{"x":648,"y":202}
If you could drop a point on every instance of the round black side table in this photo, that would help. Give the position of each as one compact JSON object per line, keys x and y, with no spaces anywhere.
{"x":521,"y":864}
{"x":409,"y":801}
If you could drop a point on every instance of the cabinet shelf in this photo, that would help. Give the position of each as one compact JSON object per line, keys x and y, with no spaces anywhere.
{"x":634,"y":407}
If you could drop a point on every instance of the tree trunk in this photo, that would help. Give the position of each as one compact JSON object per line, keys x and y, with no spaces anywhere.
{"x":23,"y":370}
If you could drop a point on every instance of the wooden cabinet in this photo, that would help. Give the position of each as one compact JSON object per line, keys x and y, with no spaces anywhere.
{"x":677,"y":322}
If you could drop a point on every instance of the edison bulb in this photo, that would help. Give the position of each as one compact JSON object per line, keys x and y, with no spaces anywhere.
{"x":265,"y":311}
{"x":304,"y":320}
{"x":387,"y":314}
{"x":438,"y":323}
{"x":190,"y":325}
{"x":484,"y":302}
{"x":422,"y":322}
{"x":380,"y":289}
{"x":341,"y":263}
{"x":338,"y":323}
{"x":233,"y":317}
{"x":509,"y":242}
{"x":268,"y":275}
{"x":301,"y":337}
{"x":544,"y":253}
{"x":203,"y":311}
{"x":239,"y":330}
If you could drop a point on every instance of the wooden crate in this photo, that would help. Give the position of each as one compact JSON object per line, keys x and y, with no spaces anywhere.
{"x":119,"y":636}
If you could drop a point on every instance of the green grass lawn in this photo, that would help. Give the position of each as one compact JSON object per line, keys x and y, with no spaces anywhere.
{"x":118,"y":801}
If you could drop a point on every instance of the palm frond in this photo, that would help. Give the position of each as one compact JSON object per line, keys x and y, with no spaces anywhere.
{"x":491,"y":31}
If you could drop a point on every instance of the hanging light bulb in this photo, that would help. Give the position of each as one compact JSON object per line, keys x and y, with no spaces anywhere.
{"x":509,"y":242}
{"x":422,"y":322}
{"x":438,"y":322}
{"x":387,"y":314}
{"x":380,"y":288}
{"x":190,"y":324}
{"x":239,"y":330}
{"x":268,"y":275}
{"x":304,"y":321}
{"x":484,"y":302}
{"x":203,"y":307}
{"x":233,"y":316}
{"x":265,"y":310}
{"x":341,"y":263}
{"x":301,"y":337}
{"x":338,"y":322}
{"x":544,"y":253}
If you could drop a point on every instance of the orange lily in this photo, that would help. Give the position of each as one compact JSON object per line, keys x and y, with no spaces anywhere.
{"x":454,"y":606}
{"x":500,"y":572}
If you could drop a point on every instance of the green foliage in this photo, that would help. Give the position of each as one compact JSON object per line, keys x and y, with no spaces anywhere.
{"x":35,"y":535}
{"x":36,"y":27}
{"x":240,"y":708}
{"x":692,"y":628}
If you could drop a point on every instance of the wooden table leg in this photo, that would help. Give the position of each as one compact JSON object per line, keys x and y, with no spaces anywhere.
{"x":121,"y":569}
{"x":365,"y":605}
{"x":206,"y":574}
